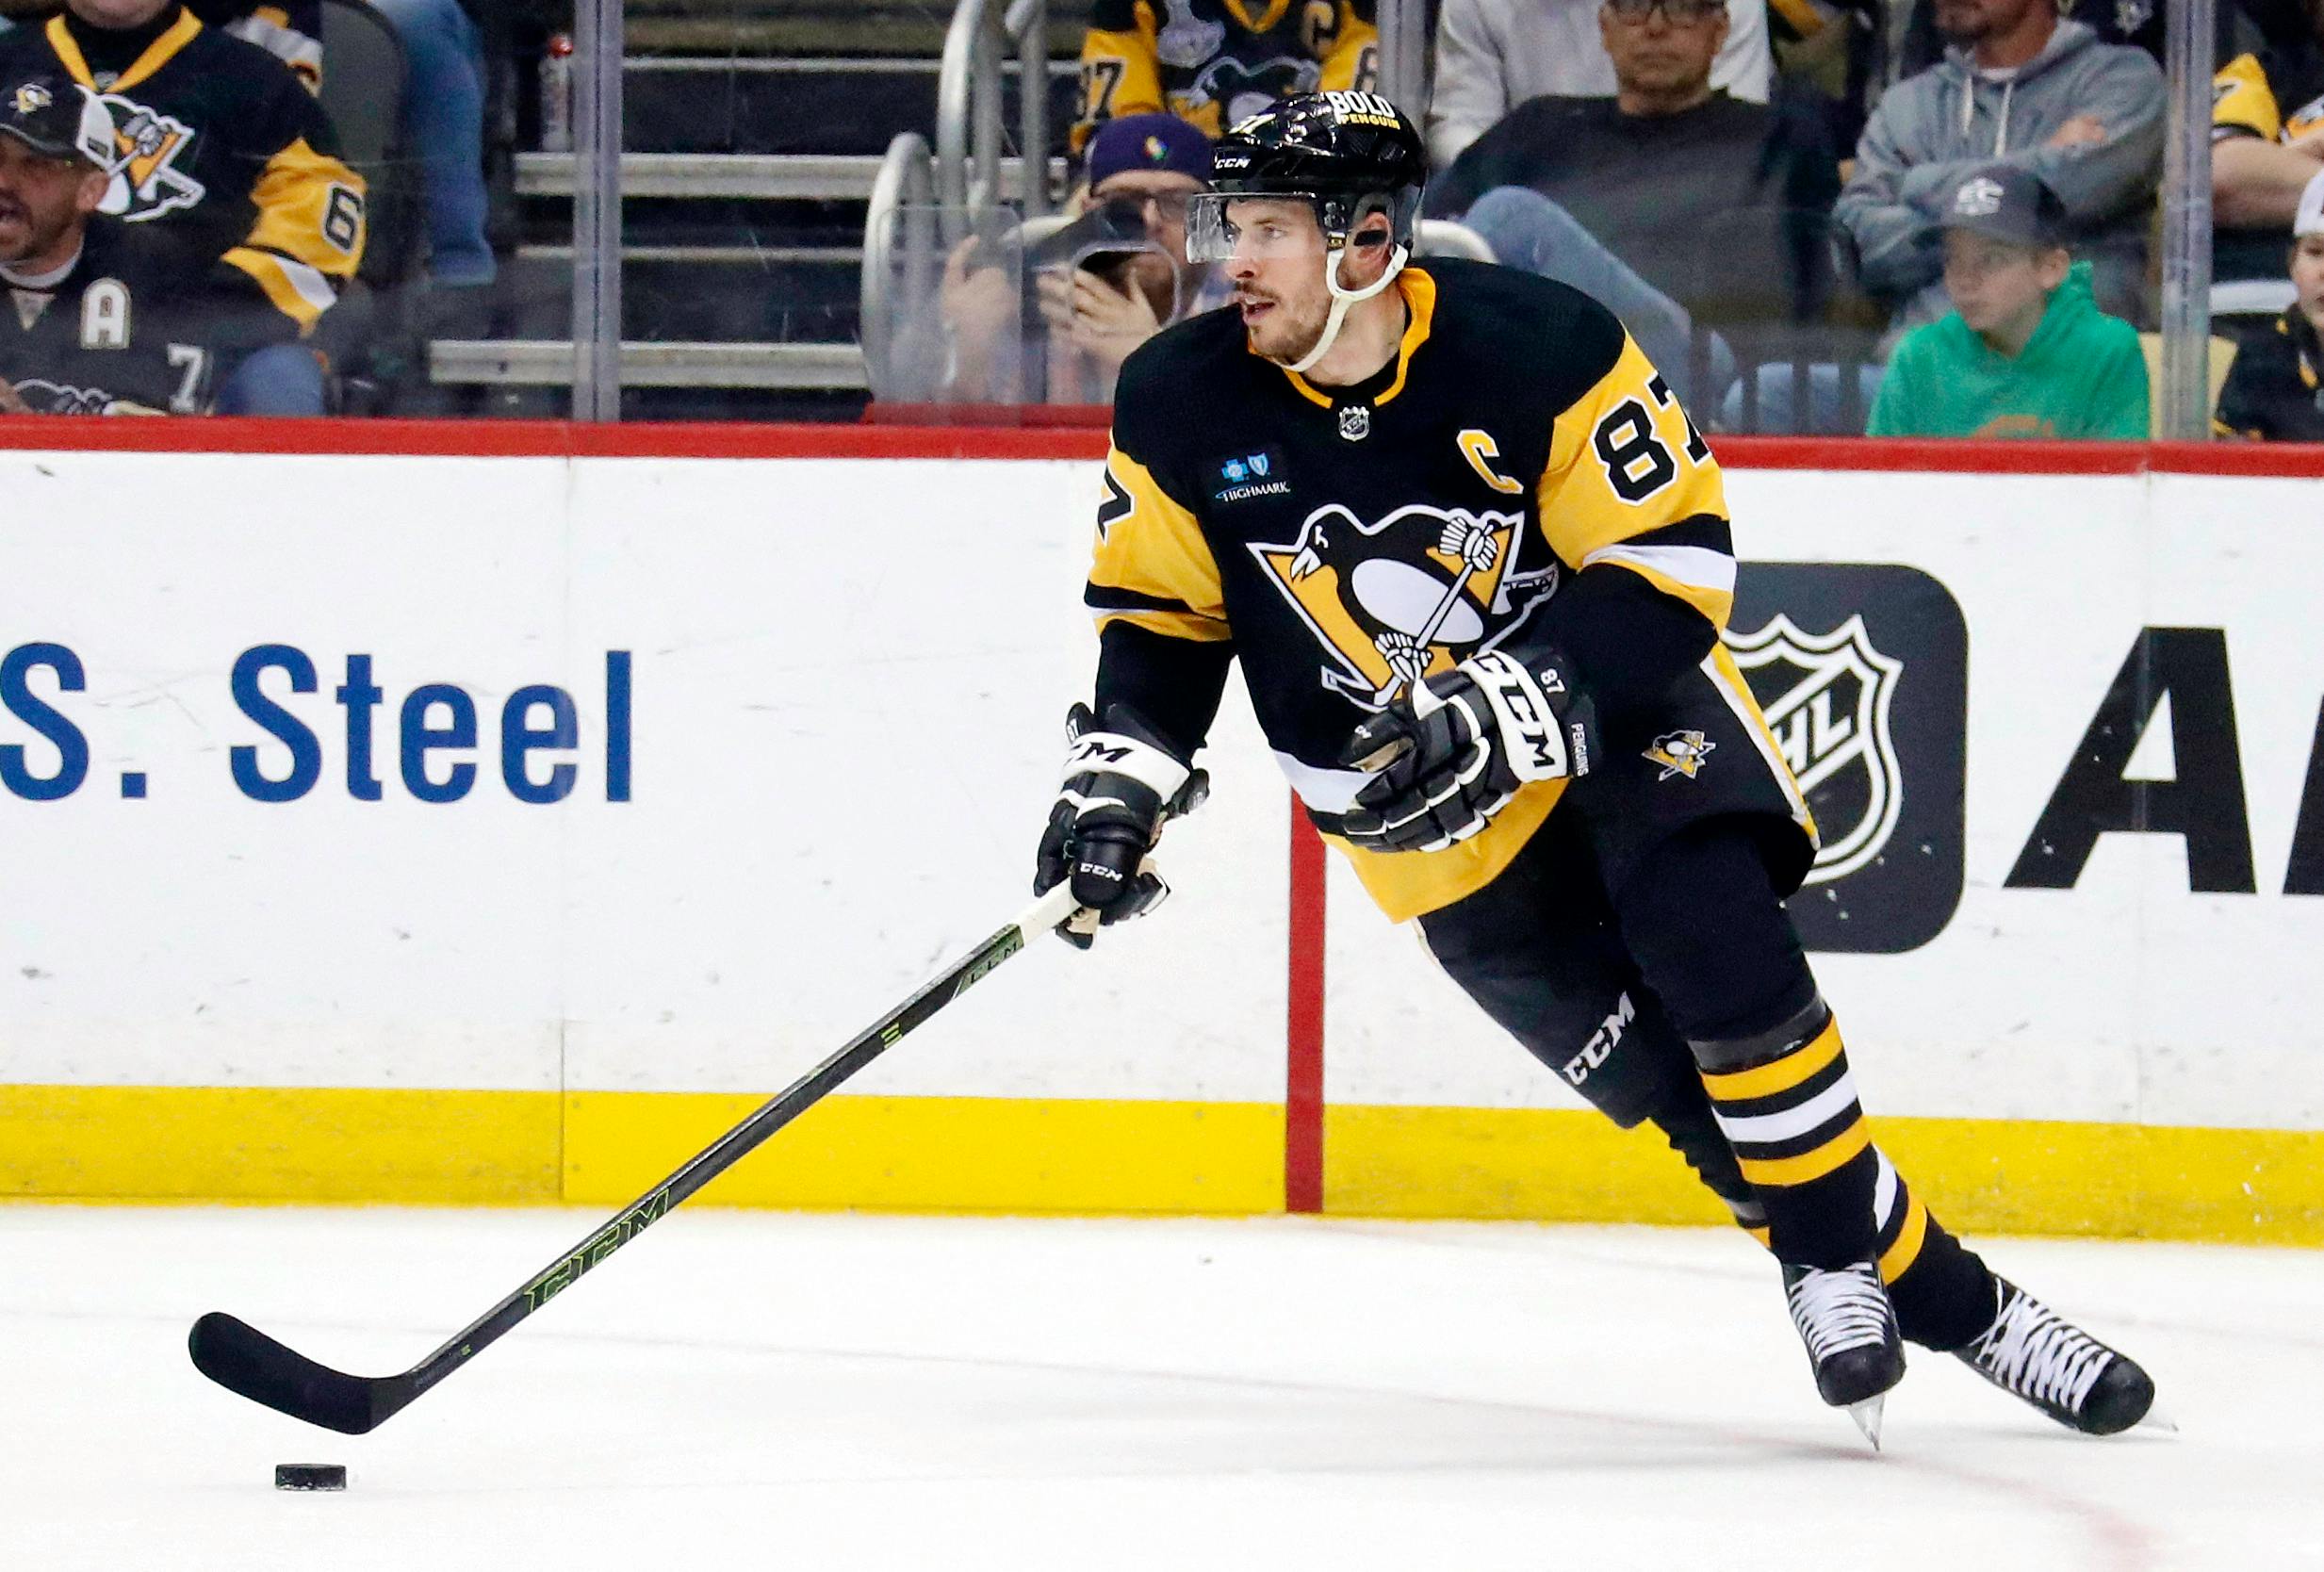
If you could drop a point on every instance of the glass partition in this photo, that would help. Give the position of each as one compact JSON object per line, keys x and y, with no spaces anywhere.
{"x":1769,"y":196}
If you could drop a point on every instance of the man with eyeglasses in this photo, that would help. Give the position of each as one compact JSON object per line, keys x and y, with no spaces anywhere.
{"x":1670,"y":200}
{"x":1495,"y":55}
{"x":1127,"y":283}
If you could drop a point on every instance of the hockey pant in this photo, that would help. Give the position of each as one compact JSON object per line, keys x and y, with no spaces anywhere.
{"x":1682,"y":997}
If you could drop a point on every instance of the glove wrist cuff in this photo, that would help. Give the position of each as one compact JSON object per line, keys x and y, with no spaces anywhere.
{"x":1117,"y":753}
{"x":1526,"y":714}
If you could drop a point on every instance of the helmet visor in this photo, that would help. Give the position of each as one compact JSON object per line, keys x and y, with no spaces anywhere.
{"x":1260,"y":225}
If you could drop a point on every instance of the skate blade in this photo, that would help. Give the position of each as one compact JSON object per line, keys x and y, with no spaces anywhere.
{"x":2154,"y":1418}
{"x":1867,"y":1417}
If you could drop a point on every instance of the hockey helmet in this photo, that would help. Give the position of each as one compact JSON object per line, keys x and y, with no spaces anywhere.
{"x":1348,"y":154}
{"x":1352,"y":158}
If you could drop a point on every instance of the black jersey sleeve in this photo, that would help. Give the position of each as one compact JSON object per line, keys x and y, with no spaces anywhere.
{"x":1155,"y":590}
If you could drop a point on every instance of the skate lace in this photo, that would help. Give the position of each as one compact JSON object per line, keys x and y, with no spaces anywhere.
{"x":1836,"y":1311}
{"x":2037,"y":1353}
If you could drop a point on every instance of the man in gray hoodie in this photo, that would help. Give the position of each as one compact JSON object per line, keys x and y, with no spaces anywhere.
{"x":2020,"y":86}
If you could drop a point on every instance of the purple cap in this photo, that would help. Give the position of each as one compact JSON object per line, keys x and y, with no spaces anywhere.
{"x":1148,"y":142}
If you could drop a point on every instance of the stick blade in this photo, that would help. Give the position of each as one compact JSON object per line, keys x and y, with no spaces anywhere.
{"x":247,"y":1362}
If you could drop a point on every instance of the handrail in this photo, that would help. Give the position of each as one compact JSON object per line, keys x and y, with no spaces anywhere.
{"x":905,"y":186}
{"x":968,"y":110}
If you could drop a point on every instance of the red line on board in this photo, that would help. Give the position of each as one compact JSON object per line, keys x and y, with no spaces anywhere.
{"x":1303,"y":1110}
{"x":1058,"y":435}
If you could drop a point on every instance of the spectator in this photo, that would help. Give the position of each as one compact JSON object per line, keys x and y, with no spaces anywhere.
{"x":1493,"y":54}
{"x":2267,"y":148}
{"x":2026,"y":352}
{"x":102,"y":321}
{"x":1670,"y":202}
{"x":1211,"y":64}
{"x":290,"y":30}
{"x":2275,"y":390}
{"x":1144,"y":168}
{"x":221,"y":154}
{"x":2137,"y":23}
{"x":444,"y":122}
{"x":2019,"y":85}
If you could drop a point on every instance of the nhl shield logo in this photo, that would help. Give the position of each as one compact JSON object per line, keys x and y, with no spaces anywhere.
{"x":1828,"y":697}
{"x":1356,"y":422}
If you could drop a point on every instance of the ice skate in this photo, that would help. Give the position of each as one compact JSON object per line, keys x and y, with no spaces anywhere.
{"x":2033,"y":1352}
{"x":1849,"y":1327}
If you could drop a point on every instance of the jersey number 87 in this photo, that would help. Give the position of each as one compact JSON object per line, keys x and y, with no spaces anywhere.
{"x":1638,"y":461}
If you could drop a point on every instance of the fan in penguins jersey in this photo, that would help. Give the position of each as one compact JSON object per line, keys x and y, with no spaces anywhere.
{"x":220,"y":151}
{"x":1211,"y":62}
{"x":1474,"y":561}
{"x":100,"y":321}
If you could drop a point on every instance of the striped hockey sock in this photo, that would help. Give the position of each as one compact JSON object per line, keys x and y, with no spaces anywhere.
{"x":1787,"y":1105}
{"x":1942,"y":1290}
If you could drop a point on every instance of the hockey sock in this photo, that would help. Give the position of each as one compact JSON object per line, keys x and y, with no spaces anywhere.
{"x":1943,"y":1292}
{"x":1786,"y":1102}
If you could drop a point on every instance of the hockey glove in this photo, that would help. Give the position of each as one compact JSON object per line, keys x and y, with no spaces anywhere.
{"x":1451,"y":753}
{"x":1121,"y":785}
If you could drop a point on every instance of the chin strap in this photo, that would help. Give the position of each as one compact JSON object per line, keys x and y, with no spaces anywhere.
{"x":1342,"y":298}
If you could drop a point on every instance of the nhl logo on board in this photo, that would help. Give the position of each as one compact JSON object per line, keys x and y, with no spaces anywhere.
{"x":1827,"y":698}
{"x":1356,"y":422}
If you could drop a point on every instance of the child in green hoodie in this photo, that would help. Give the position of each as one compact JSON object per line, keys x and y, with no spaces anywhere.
{"x":2026,"y":352}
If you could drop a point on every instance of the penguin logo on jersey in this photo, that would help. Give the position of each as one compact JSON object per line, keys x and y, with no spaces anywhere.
{"x":32,"y":98}
{"x":1404,"y":598}
{"x":1681,"y":753}
{"x":1827,"y":698}
{"x":148,"y":147}
{"x":1243,"y":90}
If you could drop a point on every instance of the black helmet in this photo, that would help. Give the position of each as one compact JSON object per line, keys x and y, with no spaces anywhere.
{"x":1351,"y":154}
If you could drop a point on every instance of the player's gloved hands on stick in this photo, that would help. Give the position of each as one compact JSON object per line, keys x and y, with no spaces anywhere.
{"x":1122,"y":784}
{"x":1453,"y":751}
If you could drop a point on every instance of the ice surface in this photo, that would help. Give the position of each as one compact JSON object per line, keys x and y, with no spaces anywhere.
{"x":760,"y":1390}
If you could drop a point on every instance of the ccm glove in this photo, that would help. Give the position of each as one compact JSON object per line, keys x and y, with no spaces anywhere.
{"x":1450,"y":754}
{"x":1122,"y":784}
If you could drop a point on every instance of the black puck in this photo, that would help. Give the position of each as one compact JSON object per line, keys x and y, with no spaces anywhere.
{"x":310,"y":1476}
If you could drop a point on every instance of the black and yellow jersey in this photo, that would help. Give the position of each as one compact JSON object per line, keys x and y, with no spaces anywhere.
{"x":124,"y":330}
{"x":2276,"y":94}
{"x":290,"y":30}
{"x":221,"y":148}
{"x":1518,"y":477}
{"x":1213,"y":62}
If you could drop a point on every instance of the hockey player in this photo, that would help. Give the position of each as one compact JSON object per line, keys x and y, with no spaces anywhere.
{"x":1475,"y":561}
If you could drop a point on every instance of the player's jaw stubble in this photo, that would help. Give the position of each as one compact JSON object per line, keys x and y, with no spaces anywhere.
{"x":1276,"y":328}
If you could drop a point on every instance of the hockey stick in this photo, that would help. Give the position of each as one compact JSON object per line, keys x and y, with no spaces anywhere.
{"x":246,"y":1361}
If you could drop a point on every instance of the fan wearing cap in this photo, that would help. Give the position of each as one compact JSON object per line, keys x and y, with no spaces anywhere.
{"x":2025,"y":351}
{"x":2273,"y":392}
{"x":102,"y":319}
{"x":1113,"y":291}
{"x":1150,"y":166}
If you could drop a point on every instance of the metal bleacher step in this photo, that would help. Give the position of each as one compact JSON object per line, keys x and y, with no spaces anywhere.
{"x":748,"y":176}
{"x":818,"y":103}
{"x":548,"y":363}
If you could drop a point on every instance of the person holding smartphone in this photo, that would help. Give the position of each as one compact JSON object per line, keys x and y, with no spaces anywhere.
{"x":1112,"y":279}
